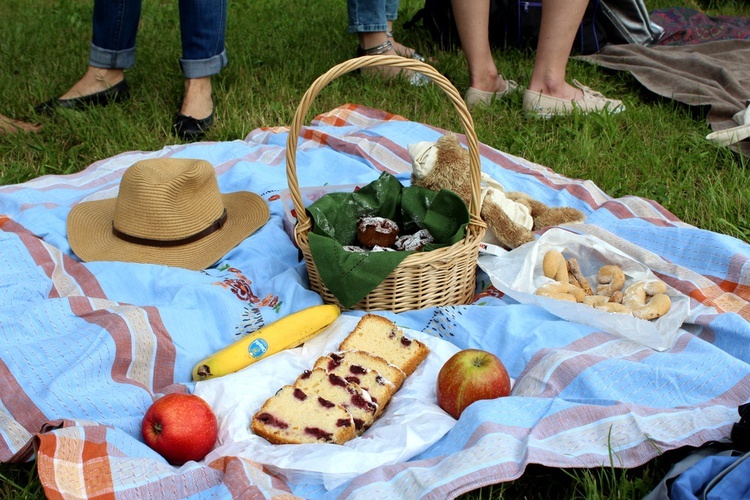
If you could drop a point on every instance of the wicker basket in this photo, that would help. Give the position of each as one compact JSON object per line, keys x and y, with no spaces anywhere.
{"x":439,"y":277}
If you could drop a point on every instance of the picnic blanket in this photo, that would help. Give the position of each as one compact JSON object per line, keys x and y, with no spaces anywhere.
{"x":713,"y":75}
{"x":85,"y":348}
{"x":683,"y":25}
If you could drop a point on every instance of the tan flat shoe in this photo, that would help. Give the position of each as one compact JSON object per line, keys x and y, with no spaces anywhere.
{"x":546,"y":106}
{"x":474,"y":96}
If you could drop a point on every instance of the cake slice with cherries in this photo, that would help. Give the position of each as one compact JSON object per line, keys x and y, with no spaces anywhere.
{"x":346,"y":390}
{"x":337,"y":390}
{"x":381,"y":337}
{"x":369,"y":379}
{"x":295,"y":416}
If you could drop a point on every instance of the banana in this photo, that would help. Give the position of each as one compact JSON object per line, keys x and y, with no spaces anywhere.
{"x":285,"y":333}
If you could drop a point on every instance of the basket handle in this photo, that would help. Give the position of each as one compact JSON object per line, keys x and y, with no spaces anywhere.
{"x":365,"y":62}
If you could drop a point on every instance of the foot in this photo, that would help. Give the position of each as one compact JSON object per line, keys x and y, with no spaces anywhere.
{"x":378,"y":43}
{"x":486,"y":92}
{"x":95,"y":80}
{"x":569,"y":99}
{"x":197,"y":102}
{"x":98,"y":87}
{"x":403,"y":50}
{"x":11,"y":126}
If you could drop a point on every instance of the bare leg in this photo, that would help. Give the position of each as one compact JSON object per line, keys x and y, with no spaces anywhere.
{"x":369,"y":40}
{"x":560,"y":21}
{"x":472,"y":21}
{"x":197,"y":101}
{"x":93,"y":81}
{"x":401,"y":49}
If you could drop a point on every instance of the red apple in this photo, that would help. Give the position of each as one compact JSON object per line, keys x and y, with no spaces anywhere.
{"x":468,"y":376}
{"x":180,"y":427}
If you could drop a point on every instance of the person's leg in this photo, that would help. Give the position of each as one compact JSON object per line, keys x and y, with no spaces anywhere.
{"x":549,"y":94}
{"x":391,"y":14}
{"x":202,"y":31}
{"x":472,"y":21}
{"x":557,"y":32}
{"x":114,"y":25}
{"x":369,"y":19}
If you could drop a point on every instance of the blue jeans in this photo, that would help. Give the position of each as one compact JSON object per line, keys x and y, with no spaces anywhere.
{"x":370,"y":15}
{"x":202,"y":28}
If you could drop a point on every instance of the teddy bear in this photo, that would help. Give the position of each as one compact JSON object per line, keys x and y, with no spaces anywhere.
{"x":510,"y":216}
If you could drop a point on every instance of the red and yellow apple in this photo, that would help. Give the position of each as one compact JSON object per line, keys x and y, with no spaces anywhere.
{"x":468,"y":376}
{"x":180,"y":427}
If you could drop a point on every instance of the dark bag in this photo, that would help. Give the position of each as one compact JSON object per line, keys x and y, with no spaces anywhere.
{"x":718,"y":470}
{"x":515,"y":23}
{"x":591,"y":36}
{"x":437,"y":18}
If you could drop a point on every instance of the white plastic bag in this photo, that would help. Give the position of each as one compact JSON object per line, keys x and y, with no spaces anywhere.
{"x":518,"y":274}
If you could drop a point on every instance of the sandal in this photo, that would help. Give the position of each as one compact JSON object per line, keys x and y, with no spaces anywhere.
{"x":416,"y":79}
{"x":414,"y":54}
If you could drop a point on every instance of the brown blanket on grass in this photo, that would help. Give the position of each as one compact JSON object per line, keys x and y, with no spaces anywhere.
{"x":714,"y":74}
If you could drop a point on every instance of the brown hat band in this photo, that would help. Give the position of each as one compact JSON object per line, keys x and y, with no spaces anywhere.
{"x":215,"y":226}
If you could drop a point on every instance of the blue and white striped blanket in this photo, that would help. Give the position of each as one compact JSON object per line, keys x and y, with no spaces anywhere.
{"x":85,"y":348}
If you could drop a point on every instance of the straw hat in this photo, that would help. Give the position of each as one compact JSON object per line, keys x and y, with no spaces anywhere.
{"x":168,"y":211}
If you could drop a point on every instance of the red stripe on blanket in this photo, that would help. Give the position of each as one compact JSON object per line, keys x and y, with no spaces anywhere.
{"x":19,"y":405}
{"x":239,"y":481}
{"x":162,"y":367}
{"x":40,"y":253}
{"x":84,"y":278}
{"x":36,"y":250}
{"x":117,"y":329}
{"x":166,"y":353}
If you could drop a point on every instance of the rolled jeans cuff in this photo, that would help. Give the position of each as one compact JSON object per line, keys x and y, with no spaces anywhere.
{"x":111,"y":59}
{"x":368,"y":28}
{"x":198,"y":68}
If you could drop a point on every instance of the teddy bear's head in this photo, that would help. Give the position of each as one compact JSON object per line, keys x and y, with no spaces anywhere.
{"x":441,"y":165}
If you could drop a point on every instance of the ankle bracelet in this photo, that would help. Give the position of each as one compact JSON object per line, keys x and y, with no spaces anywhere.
{"x":378,"y":50}
{"x":389,"y":34}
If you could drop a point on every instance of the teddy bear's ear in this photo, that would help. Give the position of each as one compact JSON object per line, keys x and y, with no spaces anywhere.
{"x":448,"y":141}
{"x":452,"y":158}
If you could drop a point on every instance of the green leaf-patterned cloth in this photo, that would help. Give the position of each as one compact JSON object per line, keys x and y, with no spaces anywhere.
{"x":350,"y":276}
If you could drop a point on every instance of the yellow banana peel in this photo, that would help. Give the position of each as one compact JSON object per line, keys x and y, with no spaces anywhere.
{"x":285,"y":333}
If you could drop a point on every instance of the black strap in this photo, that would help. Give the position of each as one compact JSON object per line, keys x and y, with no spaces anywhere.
{"x":215,"y":226}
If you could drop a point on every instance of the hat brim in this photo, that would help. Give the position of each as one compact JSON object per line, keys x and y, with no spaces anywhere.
{"x":91,"y":238}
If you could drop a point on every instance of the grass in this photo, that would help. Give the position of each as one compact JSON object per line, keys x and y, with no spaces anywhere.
{"x":657,"y":149}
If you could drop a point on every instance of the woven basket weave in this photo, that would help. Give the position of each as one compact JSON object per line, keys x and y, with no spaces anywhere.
{"x":446,"y":276}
